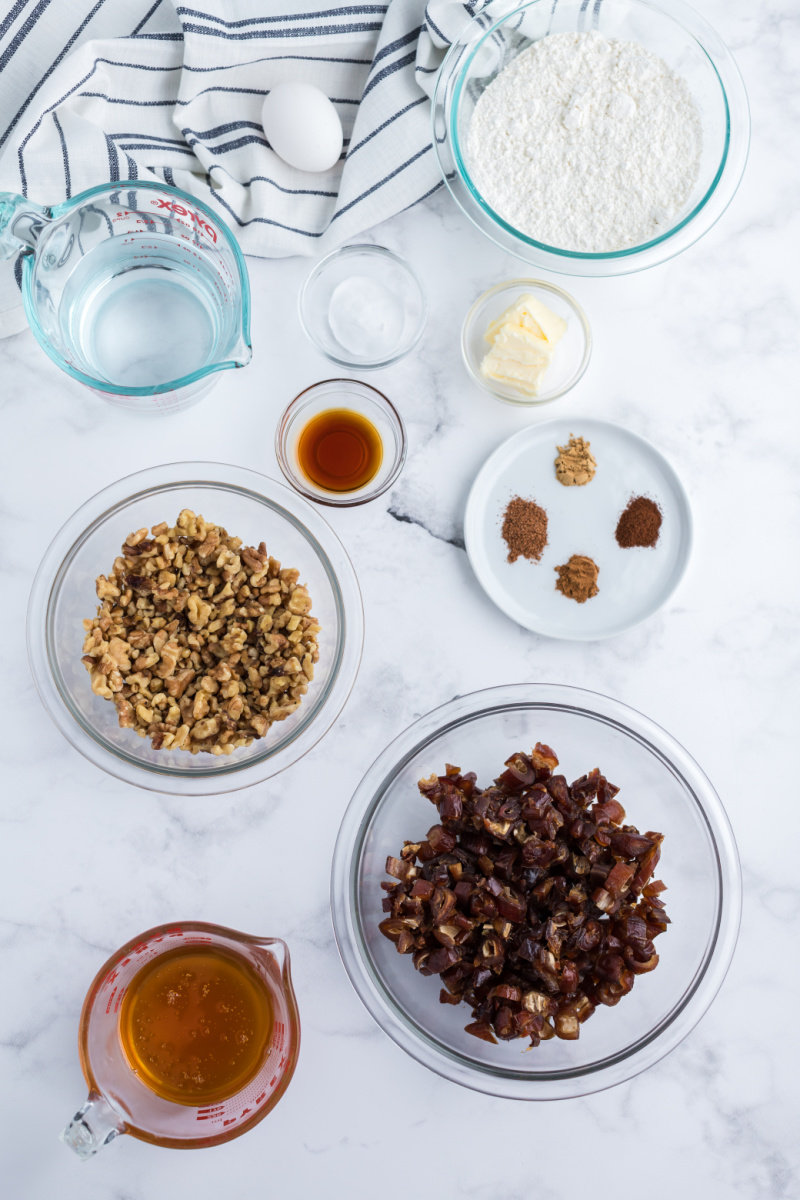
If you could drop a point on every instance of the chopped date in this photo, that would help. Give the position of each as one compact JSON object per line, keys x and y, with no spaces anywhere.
{"x":529,"y":899}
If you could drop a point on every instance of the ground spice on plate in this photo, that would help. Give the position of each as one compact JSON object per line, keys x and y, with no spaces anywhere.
{"x":524,"y":529}
{"x":577,"y":579}
{"x":575,"y":465}
{"x":640,"y":523}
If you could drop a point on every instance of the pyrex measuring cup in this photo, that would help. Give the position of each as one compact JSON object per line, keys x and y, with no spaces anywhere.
{"x":136,"y":289}
{"x":119,"y":1102}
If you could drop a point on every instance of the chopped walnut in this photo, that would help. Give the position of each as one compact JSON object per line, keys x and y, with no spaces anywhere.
{"x":186,"y":643}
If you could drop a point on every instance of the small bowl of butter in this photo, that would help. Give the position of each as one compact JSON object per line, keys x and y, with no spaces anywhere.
{"x":526,"y":342}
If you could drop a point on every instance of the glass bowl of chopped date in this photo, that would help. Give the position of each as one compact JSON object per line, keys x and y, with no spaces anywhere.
{"x":592,"y":139}
{"x":536,"y":891}
{"x":526,"y":342}
{"x":195,"y":628}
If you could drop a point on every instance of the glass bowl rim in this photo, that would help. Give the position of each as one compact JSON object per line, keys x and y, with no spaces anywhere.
{"x":163,"y":479}
{"x":579,"y":255}
{"x":401,"y":1028}
{"x":351,"y":364}
{"x":348,"y":499}
{"x":570,"y":301}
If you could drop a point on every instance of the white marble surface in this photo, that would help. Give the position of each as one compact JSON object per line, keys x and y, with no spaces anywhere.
{"x":700,"y":356}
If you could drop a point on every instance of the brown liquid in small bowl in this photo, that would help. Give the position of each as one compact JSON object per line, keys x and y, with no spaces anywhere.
{"x":340,"y":450}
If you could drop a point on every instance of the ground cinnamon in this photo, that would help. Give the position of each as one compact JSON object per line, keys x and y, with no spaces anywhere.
{"x":524,"y":529}
{"x":639,"y":524}
{"x":577,"y":579}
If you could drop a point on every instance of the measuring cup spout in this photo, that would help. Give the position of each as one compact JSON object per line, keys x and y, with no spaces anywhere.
{"x":92,"y":1127}
{"x":21,"y":223}
{"x":242,"y":352}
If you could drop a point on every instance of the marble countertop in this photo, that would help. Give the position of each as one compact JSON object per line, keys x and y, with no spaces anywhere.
{"x":698,"y":355}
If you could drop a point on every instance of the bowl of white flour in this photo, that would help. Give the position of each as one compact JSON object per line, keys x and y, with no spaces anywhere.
{"x":591,"y":138}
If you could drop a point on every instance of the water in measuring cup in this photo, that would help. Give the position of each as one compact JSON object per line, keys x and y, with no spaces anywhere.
{"x":141,"y":315}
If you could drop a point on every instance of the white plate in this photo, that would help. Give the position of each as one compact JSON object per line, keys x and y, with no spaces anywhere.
{"x":632,"y":583}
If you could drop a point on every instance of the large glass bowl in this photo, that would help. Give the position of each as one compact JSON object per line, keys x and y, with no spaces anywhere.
{"x":662,"y":788}
{"x":668,"y":28}
{"x":249,"y":506}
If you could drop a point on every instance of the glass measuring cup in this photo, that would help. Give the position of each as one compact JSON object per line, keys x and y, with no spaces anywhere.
{"x":136,"y":289}
{"x":119,"y":1102}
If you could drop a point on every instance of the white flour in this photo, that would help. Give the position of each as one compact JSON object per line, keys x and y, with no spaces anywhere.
{"x":586,"y":144}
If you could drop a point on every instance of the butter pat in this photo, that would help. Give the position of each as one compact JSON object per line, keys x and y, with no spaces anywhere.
{"x":522,"y":343}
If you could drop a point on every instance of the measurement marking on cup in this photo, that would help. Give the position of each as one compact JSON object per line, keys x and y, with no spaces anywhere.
{"x":213,"y":1113}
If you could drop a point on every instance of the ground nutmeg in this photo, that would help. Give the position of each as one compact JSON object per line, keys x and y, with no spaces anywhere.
{"x":639,"y":524}
{"x":577,"y":579}
{"x":524,"y":529}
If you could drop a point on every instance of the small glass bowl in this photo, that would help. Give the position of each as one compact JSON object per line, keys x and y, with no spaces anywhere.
{"x":662,"y":787}
{"x":358,"y":397}
{"x":386,"y":269}
{"x":249,"y":506}
{"x":570,"y":357}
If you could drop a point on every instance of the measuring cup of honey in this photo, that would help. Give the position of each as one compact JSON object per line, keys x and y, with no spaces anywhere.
{"x":341,"y":442}
{"x":189,"y":1035}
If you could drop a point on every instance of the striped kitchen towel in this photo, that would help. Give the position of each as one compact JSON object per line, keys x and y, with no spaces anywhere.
{"x":98,"y":90}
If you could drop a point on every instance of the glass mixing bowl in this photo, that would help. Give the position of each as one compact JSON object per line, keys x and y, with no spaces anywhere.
{"x":668,"y":28}
{"x":662,"y":788}
{"x":249,"y":506}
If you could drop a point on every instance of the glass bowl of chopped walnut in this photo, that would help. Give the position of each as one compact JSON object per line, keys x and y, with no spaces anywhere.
{"x":536,"y":892}
{"x":195,"y":628}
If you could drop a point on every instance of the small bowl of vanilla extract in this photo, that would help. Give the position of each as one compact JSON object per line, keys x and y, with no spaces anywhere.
{"x":341,"y":442}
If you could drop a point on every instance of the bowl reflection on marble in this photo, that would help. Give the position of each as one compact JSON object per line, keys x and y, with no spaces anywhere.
{"x":249,"y":506}
{"x":662,"y":788}
{"x":668,"y":28}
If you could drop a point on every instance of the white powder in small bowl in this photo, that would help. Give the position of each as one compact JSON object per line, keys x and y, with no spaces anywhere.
{"x":366,"y":317}
{"x":586,"y":144}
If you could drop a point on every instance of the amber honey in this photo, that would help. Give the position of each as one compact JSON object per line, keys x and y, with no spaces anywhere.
{"x":340,"y":450}
{"x":195,"y":1024}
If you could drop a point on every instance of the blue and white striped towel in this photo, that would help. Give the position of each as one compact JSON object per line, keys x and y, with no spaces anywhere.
{"x":178,"y":97}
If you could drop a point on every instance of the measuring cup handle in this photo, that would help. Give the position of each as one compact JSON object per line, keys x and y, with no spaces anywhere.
{"x":92,"y":1127}
{"x":21,"y":222}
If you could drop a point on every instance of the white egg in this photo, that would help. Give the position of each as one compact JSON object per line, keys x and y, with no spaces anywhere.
{"x":302,"y":126}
